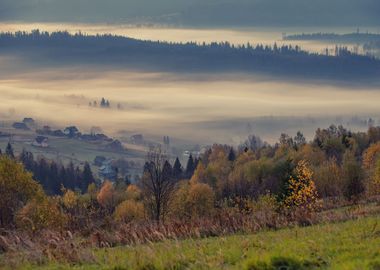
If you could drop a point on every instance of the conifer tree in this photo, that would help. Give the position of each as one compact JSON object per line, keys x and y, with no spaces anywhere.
{"x":190,"y":167}
{"x":177,"y":169}
{"x":9,"y":151}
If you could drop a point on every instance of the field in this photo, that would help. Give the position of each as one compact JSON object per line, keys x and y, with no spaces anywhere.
{"x":349,"y":245}
{"x":66,"y":150}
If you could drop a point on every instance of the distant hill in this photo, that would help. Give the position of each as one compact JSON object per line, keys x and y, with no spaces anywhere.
{"x":62,"y":48}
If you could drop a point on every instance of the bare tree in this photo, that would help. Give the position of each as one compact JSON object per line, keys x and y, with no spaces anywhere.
{"x":157,"y":183}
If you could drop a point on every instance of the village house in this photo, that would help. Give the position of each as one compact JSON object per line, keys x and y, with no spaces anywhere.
{"x":41,"y":141}
{"x":107,"y":171}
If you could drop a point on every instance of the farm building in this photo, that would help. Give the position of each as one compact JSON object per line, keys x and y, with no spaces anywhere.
{"x":41,"y":141}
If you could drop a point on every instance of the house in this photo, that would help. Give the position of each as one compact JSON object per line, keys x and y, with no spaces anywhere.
{"x":20,"y":125}
{"x":107,"y":171}
{"x":41,"y":141}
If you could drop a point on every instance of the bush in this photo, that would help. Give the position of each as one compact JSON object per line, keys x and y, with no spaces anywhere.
{"x":37,"y":215}
{"x":193,"y":200}
{"x":129,"y":211}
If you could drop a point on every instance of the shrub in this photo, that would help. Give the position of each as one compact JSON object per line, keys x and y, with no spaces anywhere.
{"x":37,"y":215}
{"x":276,"y":263}
{"x":193,"y":200}
{"x":201,"y":200}
{"x":70,"y":199}
{"x":129,"y":211}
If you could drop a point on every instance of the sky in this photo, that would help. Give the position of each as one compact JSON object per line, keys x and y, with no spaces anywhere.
{"x":205,"y":13}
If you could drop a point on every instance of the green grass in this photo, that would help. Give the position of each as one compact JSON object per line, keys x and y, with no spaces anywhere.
{"x":350,"y":245}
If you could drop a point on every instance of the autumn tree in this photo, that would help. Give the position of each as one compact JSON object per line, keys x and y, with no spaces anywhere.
{"x":17,"y":188}
{"x":302,"y":193}
{"x":371,"y":164}
{"x":107,"y":196}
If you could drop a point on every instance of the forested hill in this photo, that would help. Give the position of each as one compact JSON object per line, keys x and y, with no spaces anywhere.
{"x":62,"y":48}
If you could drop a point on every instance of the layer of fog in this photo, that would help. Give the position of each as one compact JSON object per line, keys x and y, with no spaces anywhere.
{"x":197,"y":109}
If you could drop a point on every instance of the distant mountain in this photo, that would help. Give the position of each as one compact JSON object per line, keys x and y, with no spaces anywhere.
{"x":62,"y":48}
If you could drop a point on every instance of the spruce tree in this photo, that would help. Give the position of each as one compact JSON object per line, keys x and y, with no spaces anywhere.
{"x":190,"y":167}
{"x":9,"y":151}
{"x":177,"y":169}
{"x":88,"y":177}
{"x":231,"y":155}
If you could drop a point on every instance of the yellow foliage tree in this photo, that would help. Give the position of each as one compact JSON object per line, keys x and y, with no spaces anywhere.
{"x":17,"y":187}
{"x":371,"y":164}
{"x":371,"y":155}
{"x":302,"y":193}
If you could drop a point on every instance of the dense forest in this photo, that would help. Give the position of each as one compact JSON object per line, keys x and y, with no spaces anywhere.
{"x":62,"y":48}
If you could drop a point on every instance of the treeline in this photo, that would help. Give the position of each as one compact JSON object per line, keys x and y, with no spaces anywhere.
{"x":225,"y":190}
{"x":357,"y":37}
{"x":54,"y":176}
{"x":340,"y":165}
{"x":64,"y":48}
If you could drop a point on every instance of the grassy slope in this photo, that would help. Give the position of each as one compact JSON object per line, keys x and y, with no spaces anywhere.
{"x":349,"y":245}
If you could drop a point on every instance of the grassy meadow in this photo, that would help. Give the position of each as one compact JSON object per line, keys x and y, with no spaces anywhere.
{"x":348,"y":245}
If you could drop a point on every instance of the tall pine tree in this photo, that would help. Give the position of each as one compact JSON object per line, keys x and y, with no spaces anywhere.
{"x":190,"y":167}
{"x":9,"y":151}
{"x":177,"y":169}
